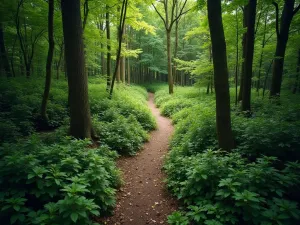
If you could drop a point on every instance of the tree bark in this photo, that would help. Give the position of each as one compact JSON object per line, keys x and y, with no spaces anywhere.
{"x":243,"y":53}
{"x":80,"y":117}
{"x":237,"y":57}
{"x":282,"y":39}
{"x":123,"y":61}
{"x":108,"y":57}
{"x":261,"y":55}
{"x":3,"y":53}
{"x":223,"y":118}
{"x":58,"y":63}
{"x":246,"y":101}
{"x":49,"y":61}
{"x":169,"y":53}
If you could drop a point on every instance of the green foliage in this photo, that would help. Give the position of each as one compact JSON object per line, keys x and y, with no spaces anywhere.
{"x":228,"y":189}
{"x":63,"y":183}
{"x":20,"y":101}
{"x":124,"y":135}
{"x":121,"y":123}
{"x":255,"y":184}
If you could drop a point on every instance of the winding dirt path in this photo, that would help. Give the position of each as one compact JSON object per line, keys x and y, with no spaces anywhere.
{"x":143,"y":199}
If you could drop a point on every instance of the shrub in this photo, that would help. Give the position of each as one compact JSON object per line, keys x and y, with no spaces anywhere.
{"x":255,"y":184}
{"x":221,"y":188}
{"x":62,"y":183}
{"x":124,"y":135}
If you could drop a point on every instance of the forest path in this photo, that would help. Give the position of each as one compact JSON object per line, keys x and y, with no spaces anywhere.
{"x":143,"y":199}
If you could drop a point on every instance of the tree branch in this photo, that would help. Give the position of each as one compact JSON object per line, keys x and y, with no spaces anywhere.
{"x":258,"y":20}
{"x":86,"y":13}
{"x":160,"y":15}
{"x":277,"y":19}
{"x":296,"y":9}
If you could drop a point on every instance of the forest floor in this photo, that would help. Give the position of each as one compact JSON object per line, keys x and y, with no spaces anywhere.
{"x":143,"y":199}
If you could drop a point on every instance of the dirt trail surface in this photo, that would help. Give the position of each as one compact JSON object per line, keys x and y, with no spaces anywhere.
{"x":143,"y":199}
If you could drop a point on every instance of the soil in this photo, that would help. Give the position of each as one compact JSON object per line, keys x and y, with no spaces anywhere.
{"x":143,"y":199}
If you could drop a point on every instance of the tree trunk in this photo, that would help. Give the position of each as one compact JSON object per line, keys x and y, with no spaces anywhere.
{"x":123,"y":62}
{"x":237,"y":57}
{"x":243,"y":53}
{"x":223,"y":119}
{"x":128,"y":71}
{"x":3,"y":53}
{"x":282,"y":39}
{"x":169,"y":52}
{"x":80,"y":117}
{"x":246,"y":102}
{"x":261,"y":55}
{"x":49,"y":61}
{"x":59,"y":59}
{"x":108,"y":57}
{"x":266,"y":78}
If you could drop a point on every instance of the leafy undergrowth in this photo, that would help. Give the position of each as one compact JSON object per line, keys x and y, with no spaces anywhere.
{"x":257,"y":183}
{"x":20,"y":101}
{"x":49,"y":178}
{"x":61,"y":183}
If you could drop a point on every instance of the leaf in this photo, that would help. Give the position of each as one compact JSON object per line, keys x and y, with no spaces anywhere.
{"x":14,"y":218}
{"x":74,"y":217}
{"x":30,"y":176}
{"x":16,"y":207}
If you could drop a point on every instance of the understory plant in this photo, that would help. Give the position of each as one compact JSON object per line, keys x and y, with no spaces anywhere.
{"x":256,"y":183}
{"x":63,"y":183}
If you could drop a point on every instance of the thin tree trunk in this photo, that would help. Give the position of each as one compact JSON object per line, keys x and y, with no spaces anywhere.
{"x":237,"y":57}
{"x":169,"y":53}
{"x":12,"y":58}
{"x":223,"y":119}
{"x":59,"y":59}
{"x":282,"y":39}
{"x":244,"y":40}
{"x":49,"y":61}
{"x":123,"y":61}
{"x":266,"y":78}
{"x":120,"y":34}
{"x":108,"y":57}
{"x":80,"y":116}
{"x":246,"y":102}
{"x":128,"y":71}
{"x":261,"y":55}
{"x":3,"y":53}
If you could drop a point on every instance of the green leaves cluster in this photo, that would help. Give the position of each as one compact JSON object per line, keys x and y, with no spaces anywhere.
{"x":63,"y":183}
{"x":257,"y":183}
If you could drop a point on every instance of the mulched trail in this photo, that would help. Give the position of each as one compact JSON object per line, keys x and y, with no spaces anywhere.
{"x":144,"y":199}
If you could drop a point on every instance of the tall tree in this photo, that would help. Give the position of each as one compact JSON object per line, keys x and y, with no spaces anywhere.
{"x":49,"y":60}
{"x":121,"y":26}
{"x":169,"y":21}
{"x":3,"y":56}
{"x":245,"y":13}
{"x":27,"y":44}
{"x":80,"y":116}
{"x":108,"y":57}
{"x":282,"y":33}
{"x":249,"y":50}
{"x":223,"y":118}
